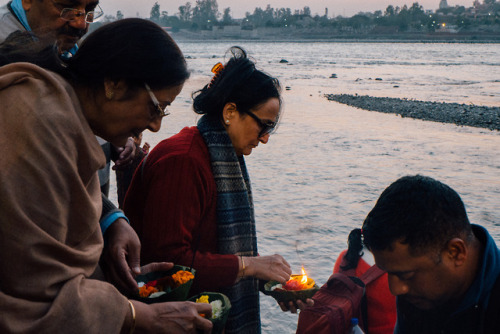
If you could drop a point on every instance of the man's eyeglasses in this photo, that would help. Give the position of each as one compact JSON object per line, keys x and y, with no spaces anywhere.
{"x":162,"y":112}
{"x":265,"y":127}
{"x":72,"y":14}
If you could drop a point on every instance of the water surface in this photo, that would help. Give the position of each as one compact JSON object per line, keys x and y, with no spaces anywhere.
{"x":323,"y":170}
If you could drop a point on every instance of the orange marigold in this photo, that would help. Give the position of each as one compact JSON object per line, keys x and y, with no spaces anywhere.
{"x":182,"y":277}
{"x":145,"y":290}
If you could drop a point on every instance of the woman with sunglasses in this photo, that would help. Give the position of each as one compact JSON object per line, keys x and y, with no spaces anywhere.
{"x":115,"y":86}
{"x":191,"y":200}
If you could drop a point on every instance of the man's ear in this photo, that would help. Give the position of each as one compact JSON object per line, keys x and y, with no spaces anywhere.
{"x":27,"y":4}
{"x":456,"y":250}
{"x":229,"y":111}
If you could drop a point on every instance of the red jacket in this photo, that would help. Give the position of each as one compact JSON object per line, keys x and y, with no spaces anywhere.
{"x":381,"y":303}
{"x":173,"y":210}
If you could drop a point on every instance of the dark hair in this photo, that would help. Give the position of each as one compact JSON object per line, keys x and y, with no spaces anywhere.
{"x":25,"y":46}
{"x":135,"y":50}
{"x":419,"y":211}
{"x":354,"y":250}
{"x":239,"y":82}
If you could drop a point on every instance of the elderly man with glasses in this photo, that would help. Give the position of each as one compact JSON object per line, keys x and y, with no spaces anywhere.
{"x":65,"y":22}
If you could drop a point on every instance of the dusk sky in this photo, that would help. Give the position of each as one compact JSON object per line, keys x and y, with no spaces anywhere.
{"x":239,"y":7}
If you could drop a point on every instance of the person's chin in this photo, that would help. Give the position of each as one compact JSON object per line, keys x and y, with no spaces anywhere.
{"x":420,"y":303}
{"x":248,"y":151}
{"x":67,"y":42}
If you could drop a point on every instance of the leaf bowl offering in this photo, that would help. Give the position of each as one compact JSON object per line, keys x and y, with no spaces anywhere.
{"x":295,"y":289}
{"x":220,"y":308}
{"x":165,"y":286}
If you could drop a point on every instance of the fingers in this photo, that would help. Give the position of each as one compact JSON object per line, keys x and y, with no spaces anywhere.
{"x":122,"y":255}
{"x":283,"y":269}
{"x":127,"y":154}
{"x":271,"y":267}
{"x":134,"y":258}
{"x":204,"y":308}
{"x":128,"y":278}
{"x":290,"y":306}
{"x":293,"y":307}
{"x":203,"y":324}
{"x":283,"y":307}
{"x":200,"y":322}
{"x":308,"y":303}
{"x":156,"y":266}
{"x":118,"y":274}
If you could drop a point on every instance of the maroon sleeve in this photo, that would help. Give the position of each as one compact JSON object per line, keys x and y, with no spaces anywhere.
{"x":179,"y":217}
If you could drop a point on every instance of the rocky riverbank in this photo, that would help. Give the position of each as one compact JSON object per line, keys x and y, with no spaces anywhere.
{"x":460,"y":114}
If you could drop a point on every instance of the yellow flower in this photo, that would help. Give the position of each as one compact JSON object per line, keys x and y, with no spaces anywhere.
{"x":202,"y":299}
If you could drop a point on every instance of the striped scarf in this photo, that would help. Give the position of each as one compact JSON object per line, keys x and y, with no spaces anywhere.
{"x":235,"y":222}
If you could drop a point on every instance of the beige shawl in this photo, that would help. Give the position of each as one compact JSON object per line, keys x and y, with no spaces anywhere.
{"x":50,"y":203}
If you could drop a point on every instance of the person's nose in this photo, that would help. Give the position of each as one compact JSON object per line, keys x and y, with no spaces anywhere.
{"x":79,"y":23}
{"x":155,"y":124}
{"x":265,"y":138}
{"x":397,"y":286}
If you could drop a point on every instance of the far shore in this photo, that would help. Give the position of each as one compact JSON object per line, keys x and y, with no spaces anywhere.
{"x":459,"y":114}
{"x":314,"y":35}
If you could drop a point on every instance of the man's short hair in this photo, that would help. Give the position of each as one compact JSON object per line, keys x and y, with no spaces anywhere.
{"x":419,"y":211}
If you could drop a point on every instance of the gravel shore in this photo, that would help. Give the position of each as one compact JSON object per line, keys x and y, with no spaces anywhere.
{"x":460,"y":114}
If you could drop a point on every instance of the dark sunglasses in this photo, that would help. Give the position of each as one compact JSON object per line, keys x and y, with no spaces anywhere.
{"x":265,"y":127}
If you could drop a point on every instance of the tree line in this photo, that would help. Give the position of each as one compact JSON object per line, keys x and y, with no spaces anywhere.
{"x":204,"y":15}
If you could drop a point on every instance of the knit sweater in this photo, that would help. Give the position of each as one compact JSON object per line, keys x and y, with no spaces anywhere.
{"x":171,"y":203}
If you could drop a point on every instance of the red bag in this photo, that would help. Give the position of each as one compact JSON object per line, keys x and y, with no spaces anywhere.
{"x":336,"y":303}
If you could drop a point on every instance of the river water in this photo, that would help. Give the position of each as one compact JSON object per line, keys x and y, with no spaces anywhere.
{"x":323,"y":170}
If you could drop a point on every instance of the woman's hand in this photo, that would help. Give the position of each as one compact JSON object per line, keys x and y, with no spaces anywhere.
{"x":172,"y":317}
{"x":121,"y":256}
{"x":271,"y":267}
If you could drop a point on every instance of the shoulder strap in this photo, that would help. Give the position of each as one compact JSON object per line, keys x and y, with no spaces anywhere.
{"x":371,"y":274}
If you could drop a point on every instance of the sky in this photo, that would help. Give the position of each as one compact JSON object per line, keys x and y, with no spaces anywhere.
{"x":240,"y":7}
{"x":348,"y":8}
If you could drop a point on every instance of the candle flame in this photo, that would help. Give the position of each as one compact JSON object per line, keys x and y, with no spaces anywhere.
{"x":304,"y":276}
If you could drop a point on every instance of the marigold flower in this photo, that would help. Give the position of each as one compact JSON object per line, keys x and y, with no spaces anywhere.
{"x":182,"y":277}
{"x":146,"y":290}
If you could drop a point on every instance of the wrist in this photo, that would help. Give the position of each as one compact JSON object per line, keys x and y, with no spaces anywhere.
{"x":242,"y":267}
{"x":133,"y":314}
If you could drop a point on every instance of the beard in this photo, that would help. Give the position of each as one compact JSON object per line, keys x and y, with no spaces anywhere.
{"x":68,"y":36}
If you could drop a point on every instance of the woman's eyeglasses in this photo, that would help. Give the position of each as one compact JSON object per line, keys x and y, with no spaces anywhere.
{"x":72,"y":14}
{"x":162,"y":112}
{"x":265,"y":127}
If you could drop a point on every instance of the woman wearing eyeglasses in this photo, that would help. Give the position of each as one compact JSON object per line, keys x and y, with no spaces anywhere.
{"x":116,"y":86}
{"x":191,"y":202}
